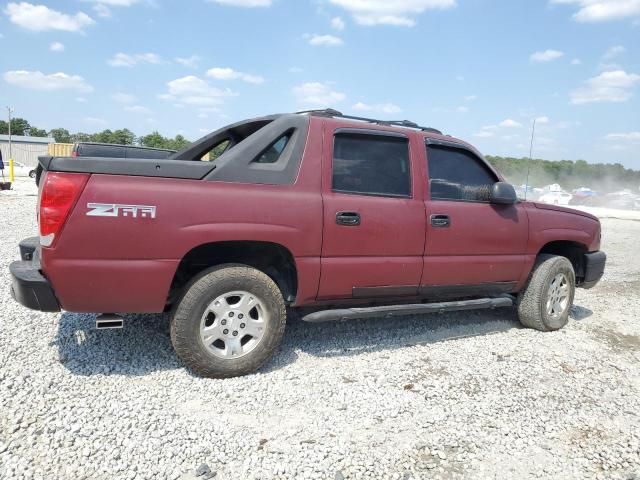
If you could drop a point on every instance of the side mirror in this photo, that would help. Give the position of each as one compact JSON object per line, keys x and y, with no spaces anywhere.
{"x":503,"y":193}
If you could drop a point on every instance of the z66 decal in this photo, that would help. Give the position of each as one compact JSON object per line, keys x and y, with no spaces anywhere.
{"x":116,"y":210}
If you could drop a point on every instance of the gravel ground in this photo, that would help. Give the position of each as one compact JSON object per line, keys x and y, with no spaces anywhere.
{"x":465,"y":395}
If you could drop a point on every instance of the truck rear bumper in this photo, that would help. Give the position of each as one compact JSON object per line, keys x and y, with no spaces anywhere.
{"x":30,"y":288}
{"x":593,"y":268}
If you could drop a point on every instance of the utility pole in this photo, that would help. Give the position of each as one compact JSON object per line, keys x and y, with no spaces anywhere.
{"x":9,"y":110}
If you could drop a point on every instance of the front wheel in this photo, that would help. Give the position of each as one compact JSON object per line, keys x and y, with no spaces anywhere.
{"x":545,"y":302}
{"x":229,"y":322}
{"x":32,"y":174}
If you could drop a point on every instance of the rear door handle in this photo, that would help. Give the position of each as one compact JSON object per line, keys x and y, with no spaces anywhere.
{"x":440,"y":221}
{"x":349,"y":219}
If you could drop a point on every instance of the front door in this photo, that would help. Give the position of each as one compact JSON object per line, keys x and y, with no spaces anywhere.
{"x":472,"y":247}
{"x":374,"y":221}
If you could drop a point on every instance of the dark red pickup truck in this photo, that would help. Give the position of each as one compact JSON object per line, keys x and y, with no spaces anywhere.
{"x":332,"y":216}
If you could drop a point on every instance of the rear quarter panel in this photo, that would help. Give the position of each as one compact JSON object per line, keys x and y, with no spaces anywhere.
{"x":124,"y":264}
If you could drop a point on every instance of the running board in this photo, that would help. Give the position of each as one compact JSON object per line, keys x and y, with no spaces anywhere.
{"x":402,"y":310}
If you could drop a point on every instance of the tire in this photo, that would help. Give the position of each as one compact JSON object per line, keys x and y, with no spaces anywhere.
{"x":229,"y":321}
{"x":32,"y":174}
{"x":533,"y":306}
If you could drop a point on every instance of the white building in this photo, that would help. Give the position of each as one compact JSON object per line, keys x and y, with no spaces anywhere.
{"x":24,"y":149}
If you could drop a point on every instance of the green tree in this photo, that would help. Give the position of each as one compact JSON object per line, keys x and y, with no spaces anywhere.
{"x":156,"y":140}
{"x":18,"y":126}
{"x":123,"y":137}
{"x":37,"y":132}
{"x":61,"y":135}
{"x":153,"y":140}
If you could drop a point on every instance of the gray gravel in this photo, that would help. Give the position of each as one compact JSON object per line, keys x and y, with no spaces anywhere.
{"x":467,"y":395}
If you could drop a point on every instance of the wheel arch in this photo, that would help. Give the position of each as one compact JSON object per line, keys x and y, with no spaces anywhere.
{"x":571,"y":250}
{"x":273,"y":259}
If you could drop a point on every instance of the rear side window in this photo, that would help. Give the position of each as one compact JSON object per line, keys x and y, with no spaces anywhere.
{"x":213,"y":154}
{"x":272,"y":153}
{"x":457,"y":174}
{"x":371,"y":164}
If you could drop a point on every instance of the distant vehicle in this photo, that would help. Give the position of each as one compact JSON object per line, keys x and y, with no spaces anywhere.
{"x":88,"y":149}
{"x":21,"y":170}
{"x":584,"y":196}
{"x":97,"y":150}
{"x":623,"y":199}
{"x":556,"y":198}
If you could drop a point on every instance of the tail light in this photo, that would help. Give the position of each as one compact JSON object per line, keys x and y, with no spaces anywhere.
{"x":60,"y":192}
{"x":74,"y":154}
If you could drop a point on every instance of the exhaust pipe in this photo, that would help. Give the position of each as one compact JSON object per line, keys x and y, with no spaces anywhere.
{"x":109,"y":321}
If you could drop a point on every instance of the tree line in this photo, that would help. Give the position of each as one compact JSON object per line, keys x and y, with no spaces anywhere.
{"x":569,"y":174}
{"x":124,"y":136}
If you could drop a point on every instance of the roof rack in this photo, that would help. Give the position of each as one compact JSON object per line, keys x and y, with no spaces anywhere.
{"x":330,"y":112}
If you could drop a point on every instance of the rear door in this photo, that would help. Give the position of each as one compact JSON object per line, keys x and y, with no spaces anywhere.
{"x":472,"y":247}
{"x":374,"y":221}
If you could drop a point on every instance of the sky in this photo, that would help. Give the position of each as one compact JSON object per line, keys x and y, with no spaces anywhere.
{"x":480,"y":70}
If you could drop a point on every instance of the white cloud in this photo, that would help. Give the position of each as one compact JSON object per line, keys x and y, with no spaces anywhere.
{"x":545,"y":56}
{"x":613,"y":52}
{"x":231,"y":74}
{"x":244,"y":3}
{"x":576,"y":61}
{"x":602,"y":10}
{"x":337,"y":23}
{"x":462,"y":109}
{"x":613,"y":86}
{"x":324,"y":40}
{"x":102,"y":10}
{"x":388,"y":108}
{"x":190,"y":62}
{"x":56,"y":47}
{"x":544,"y":120}
{"x":130,"y":60}
{"x":36,"y":80}
{"x":471,"y":98}
{"x":41,"y":18}
{"x":386,"y":12}
{"x":627,"y":137}
{"x":195,"y":91}
{"x":102,"y":7}
{"x":203,"y":115}
{"x":81,"y":100}
{"x":123,"y":97}
{"x":137,"y":109}
{"x":95,"y":121}
{"x":316,"y":94}
{"x":491,"y":130}
{"x":484,"y":134}
{"x":295,"y":70}
{"x":510,"y":123}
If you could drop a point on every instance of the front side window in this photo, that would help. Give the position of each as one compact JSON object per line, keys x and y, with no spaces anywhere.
{"x":371,"y":164}
{"x":457,"y":174}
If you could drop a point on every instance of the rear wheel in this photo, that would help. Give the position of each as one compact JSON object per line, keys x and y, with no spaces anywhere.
{"x":545,"y":302}
{"x":32,"y":174}
{"x":229,"y":322}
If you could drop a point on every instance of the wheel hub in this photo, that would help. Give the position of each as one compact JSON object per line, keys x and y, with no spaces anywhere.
{"x":558,"y":296}
{"x":233,"y":324}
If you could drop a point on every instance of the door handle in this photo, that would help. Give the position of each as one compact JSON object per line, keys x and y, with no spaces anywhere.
{"x":348,"y":219}
{"x":440,"y":221}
